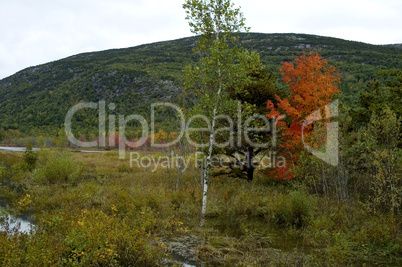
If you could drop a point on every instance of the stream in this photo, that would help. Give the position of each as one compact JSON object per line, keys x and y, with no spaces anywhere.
{"x":16,"y":149}
{"x":22,"y":149}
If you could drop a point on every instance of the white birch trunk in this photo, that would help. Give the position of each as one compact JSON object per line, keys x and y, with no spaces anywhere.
{"x":212,"y":135}
{"x":209,"y":159}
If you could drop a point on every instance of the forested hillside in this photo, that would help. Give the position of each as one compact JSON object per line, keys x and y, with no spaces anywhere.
{"x":35,"y":100}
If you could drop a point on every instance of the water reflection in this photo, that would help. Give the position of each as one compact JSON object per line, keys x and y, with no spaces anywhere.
{"x":16,"y":149}
{"x":11,"y":224}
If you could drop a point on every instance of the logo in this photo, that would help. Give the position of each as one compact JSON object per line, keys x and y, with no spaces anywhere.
{"x":244,"y":130}
{"x":330,"y":155}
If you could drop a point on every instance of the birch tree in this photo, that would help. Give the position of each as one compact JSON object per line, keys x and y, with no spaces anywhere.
{"x":214,"y":21}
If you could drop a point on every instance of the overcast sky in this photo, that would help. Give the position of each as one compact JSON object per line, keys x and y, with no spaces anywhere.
{"x":33,"y":32}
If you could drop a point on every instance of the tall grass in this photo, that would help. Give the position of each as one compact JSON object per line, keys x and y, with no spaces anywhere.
{"x":94,"y":210}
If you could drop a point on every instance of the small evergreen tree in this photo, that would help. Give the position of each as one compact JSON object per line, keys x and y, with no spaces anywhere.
{"x":30,"y":157}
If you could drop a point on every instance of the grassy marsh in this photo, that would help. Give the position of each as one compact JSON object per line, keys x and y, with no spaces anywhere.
{"x":95,"y":210}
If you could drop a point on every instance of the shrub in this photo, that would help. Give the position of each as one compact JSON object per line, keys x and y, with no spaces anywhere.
{"x":58,"y":167}
{"x":30,"y":157}
{"x":97,"y":239}
{"x":3,"y":170}
{"x":294,"y":209}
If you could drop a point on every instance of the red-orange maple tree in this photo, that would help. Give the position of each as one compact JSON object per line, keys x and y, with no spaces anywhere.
{"x":312,"y":84}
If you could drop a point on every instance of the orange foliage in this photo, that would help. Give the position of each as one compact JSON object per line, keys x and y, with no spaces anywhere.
{"x":312,"y":84}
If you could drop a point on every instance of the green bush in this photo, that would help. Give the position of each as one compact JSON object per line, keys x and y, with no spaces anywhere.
{"x":97,"y":239}
{"x":58,"y":167}
{"x":30,"y":157}
{"x":293,"y":209}
{"x":3,"y":170}
{"x":84,"y":238}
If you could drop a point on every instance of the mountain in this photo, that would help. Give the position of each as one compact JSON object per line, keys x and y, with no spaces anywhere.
{"x":36,"y":100}
{"x":395,"y":45}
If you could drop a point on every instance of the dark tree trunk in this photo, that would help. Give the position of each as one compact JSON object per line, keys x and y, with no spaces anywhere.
{"x":249,"y":164}
{"x":250,"y":173}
